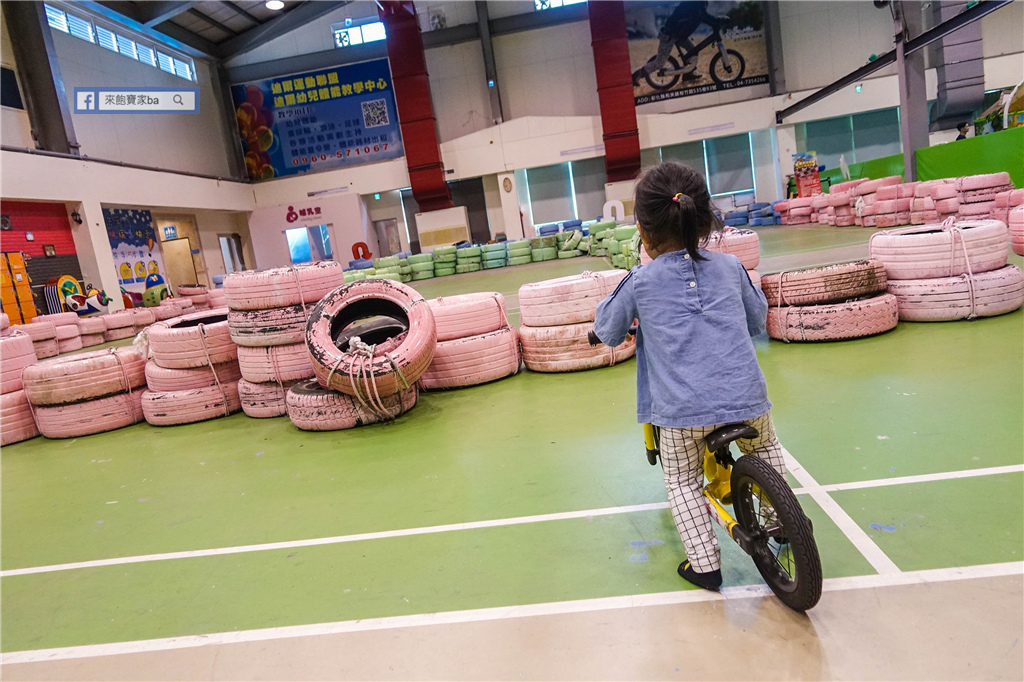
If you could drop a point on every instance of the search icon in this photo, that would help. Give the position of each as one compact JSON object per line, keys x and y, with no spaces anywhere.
{"x":177,"y":100}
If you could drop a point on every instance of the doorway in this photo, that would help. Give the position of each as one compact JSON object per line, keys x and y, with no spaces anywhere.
{"x":231,"y":251}
{"x":309,"y":244}
{"x":178,"y":263}
{"x":170,"y":227}
{"x":388,"y":240}
{"x":470,"y":193}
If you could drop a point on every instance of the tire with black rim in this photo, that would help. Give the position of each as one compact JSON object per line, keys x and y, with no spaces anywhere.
{"x":731,"y":72}
{"x":659,"y":80}
{"x":767,"y":509}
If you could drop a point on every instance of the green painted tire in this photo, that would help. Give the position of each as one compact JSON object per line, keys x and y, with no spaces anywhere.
{"x":444,"y":258}
{"x":520,"y":251}
{"x":550,"y":253}
{"x":491,"y":264}
{"x":406,"y":278}
{"x":468,"y":259}
{"x":468,"y":252}
{"x":467,"y":267}
{"x":491,"y":248}
{"x":535,"y":243}
{"x":619,"y":261}
{"x":567,"y":254}
{"x":385,"y":261}
{"x":422,"y":267}
{"x":404,"y":262}
{"x":386,"y":275}
{"x":417,"y":276}
{"x":603,"y":225}
{"x":444,"y":251}
{"x":537,"y":255}
{"x":444,"y":272}
{"x":404,"y":270}
{"x":420,"y":258}
{"x":520,"y":260}
{"x":613,"y":246}
{"x":624,"y":234}
{"x":495,"y":255}
{"x":572,"y":241}
{"x":548,"y":242}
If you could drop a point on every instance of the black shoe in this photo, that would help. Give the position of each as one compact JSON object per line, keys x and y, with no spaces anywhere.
{"x":712,"y":580}
{"x":692,"y":76}
{"x":636,"y":79}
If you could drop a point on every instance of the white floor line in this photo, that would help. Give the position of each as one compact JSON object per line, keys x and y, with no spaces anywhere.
{"x":606,"y":511}
{"x":503,"y":613}
{"x":864,"y":544}
{"x":338,"y":539}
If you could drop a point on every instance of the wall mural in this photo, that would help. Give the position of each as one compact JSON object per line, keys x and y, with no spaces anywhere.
{"x":678,"y":49}
{"x":318,"y":120}
{"x":133,"y":243}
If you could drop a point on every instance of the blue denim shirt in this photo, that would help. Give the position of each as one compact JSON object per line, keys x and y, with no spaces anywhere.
{"x":696,"y":364}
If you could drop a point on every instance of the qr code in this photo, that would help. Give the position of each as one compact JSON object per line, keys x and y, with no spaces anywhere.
{"x":375,"y":113}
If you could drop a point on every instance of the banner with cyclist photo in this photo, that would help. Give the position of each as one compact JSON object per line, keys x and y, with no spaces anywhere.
{"x":318,"y":120}
{"x":692,"y":47}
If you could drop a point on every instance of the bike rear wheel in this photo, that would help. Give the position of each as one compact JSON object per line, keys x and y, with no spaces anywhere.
{"x":767,"y":509}
{"x":730,"y":71}
{"x":659,"y":80}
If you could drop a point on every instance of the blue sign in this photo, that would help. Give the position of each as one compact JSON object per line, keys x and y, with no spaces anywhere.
{"x":318,"y":120}
{"x":170,"y":232}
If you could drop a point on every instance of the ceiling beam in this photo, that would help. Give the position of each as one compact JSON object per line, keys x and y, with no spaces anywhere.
{"x":241,"y":12}
{"x":153,"y":13}
{"x":192,"y":11}
{"x":302,"y":14}
{"x":173,"y":36}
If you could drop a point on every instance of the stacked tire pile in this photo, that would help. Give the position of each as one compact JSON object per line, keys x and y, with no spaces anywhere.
{"x":950,"y":271}
{"x":421,"y":267}
{"x":519,"y":252}
{"x":756,"y":214}
{"x":843,"y":301}
{"x":599,"y":233}
{"x":1005,"y":202}
{"x":618,"y":247}
{"x":43,"y":333}
{"x":91,"y":330}
{"x":569,"y":245}
{"x":118,"y":325}
{"x":16,"y":354}
{"x":370,"y":342}
{"x":266,"y":317}
{"x":87,"y":393}
{"x":1015,"y":222}
{"x":475,"y":343}
{"x":444,"y":261}
{"x":494,"y":255}
{"x":544,"y":248}
{"x":795,"y":211}
{"x":556,"y":317}
{"x":69,"y":338}
{"x":197,"y":293}
{"x":395,"y":268}
{"x":977,"y":194}
{"x":468,"y":259}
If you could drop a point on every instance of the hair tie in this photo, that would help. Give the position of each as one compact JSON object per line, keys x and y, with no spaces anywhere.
{"x":677,"y":197}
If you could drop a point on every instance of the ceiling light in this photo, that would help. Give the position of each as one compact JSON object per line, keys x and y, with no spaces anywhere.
{"x":275,"y":4}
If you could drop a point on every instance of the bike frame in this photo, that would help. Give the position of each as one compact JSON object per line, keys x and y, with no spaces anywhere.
{"x":715,"y":37}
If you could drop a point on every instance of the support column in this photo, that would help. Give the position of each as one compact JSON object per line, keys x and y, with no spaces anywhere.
{"x":41,"y":82}
{"x":508,"y":187}
{"x":415,"y":110}
{"x":615,"y":89}
{"x":93,"y":248}
{"x":913,"y":93}
{"x":785,"y":139}
{"x":490,"y":69}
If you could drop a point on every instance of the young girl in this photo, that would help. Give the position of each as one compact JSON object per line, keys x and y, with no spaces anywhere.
{"x":696,"y":367}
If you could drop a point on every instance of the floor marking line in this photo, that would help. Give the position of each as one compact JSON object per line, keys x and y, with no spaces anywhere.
{"x":338,"y":539}
{"x":505,"y":612}
{"x":607,"y":511}
{"x":854,"y":533}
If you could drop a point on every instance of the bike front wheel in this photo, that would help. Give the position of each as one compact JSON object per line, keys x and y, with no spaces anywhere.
{"x":727,"y":70}
{"x":784,"y":549}
{"x":659,"y":80}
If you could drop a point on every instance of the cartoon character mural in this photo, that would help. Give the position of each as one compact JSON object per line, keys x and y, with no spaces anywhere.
{"x":134,"y":246}
{"x":156,"y":290}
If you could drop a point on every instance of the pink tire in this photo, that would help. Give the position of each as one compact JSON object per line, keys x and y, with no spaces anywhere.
{"x":903,"y":205}
{"x":457,"y":317}
{"x":473,"y":360}
{"x":142,"y":317}
{"x":163,"y":380}
{"x":801,"y":212}
{"x":280,"y":287}
{"x":1016,"y":198}
{"x":744,"y":244}
{"x":191,"y":290}
{"x":70,"y":345}
{"x":906,"y":190}
{"x":984,"y":181}
{"x":67,"y":331}
{"x":839,"y":199}
{"x":825,"y":284}
{"x":58,"y":319}
{"x":978,"y":195}
{"x":800,"y":202}
{"x":38,"y":330}
{"x":312,"y":407}
{"x":166,"y":312}
{"x":932,"y":251}
{"x":755,"y":278}
{"x":941,"y":192}
{"x":186,"y":304}
{"x":977,"y":211}
{"x":996,"y":292}
{"x":566,"y":300}
{"x":845,"y":210}
{"x":5,"y":322}
{"x":122,"y":319}
{"x":819,"y":201}
{"x":89,"y":340}
{"x":888,"y":206}
{"x":217,"y":299}
{"x":169,"y":408}
{"x":903,"y":218}
{"x":268,"y":327}
{"x":45,"y":349}
{"x":885,"y":220}
{"x":85,"y":376}
{"x":91,"y":325}
{"x":397,"y":362}
{"x":91,"y":416}
{"x":264,"y":400}
{"x":1015,"y":222}
{"x":16,"y":420}
{"x":16,"y":353}
{"x":887,"y":193}
{"x":118,"y":334}
{"x":566,"y":349}
{"x":845,"y":221}
{"x":193,"y":340}
{"x":833,"y":321}
{"x":275,"y":363}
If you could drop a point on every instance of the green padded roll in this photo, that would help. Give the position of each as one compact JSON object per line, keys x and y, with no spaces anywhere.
{"x":387,"y":275}
{"x":406,"y":278}
{"x":444,"y":272}
{"x":459,"y":258}
{"x":468,"y":252}
{"x":404,"y":270}
{"x":562,"y":236}
{"x":603,"y":225}
{"x":537,"y":255}
{"x":535,"y":243}
{"x":619,"y":261}
{"x":613,"y":247}
{"x":421,"y":258}
{"x":490,"y":256}
{"x":520,"y":251}
{"x":444,"y":258}
{"x":423,"y":275}
{"x":624,"y":234}
{"x":443,"y":251}
{"x":369,"y":271}
{"x":491,"y":264}
{"x":572,"y":241}
{"x":467,"y":267}
{"x":422,"y":267}
{"x":550,"y":241}
{"x":550,"y":252}
{"x":403,"y":262}
{"x":385,"y":262}
{"x":598,"y":251}
{"x":568,"y":254}
{"x":520,"y":260}
{"x":394,"y":270}
{"x":491,"y":248}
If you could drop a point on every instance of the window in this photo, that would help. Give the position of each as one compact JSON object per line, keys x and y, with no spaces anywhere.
{"x":231,"y":251}
{"x":346,"y":35}
{"x":551,"y":196}
{"x":725,"y":162}
{"x":550,"y":4}
{"x":89,"y":31}
{"x":861,"y":137}
{"x":308,"y":244}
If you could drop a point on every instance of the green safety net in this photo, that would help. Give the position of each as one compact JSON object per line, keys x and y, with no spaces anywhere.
{"x":991,"y":153}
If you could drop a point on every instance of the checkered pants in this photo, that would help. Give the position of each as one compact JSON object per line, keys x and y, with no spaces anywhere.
{"x":682,"y":458}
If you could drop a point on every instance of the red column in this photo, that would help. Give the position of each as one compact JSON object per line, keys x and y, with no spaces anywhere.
{"x":615,"y":89}
{"x":415,"y":110}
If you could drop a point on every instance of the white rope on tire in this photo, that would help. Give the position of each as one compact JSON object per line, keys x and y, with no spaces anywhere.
{"x":209,"y":362}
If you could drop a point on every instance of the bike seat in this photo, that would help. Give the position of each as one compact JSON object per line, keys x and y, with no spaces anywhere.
{"x":723,"y":435}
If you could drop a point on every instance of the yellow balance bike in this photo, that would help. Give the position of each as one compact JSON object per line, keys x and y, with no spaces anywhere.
{"x":770,"y":525}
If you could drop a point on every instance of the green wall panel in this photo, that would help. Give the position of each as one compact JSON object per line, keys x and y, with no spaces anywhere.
{"x":1002,"y":151}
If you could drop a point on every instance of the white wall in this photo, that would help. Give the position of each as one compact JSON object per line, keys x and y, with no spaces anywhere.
{"x":345,"y":213}
{"x":212,"y":224}
{"x":547,"y":72}
{"x":492,"y":199}
{"x":1002,"y":31}
{"x":458,"y":89}
{"x":15,"y":129}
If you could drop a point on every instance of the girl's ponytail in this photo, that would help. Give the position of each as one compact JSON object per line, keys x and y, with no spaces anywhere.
{"x":673,"y":207}
{"x":688,"y":228}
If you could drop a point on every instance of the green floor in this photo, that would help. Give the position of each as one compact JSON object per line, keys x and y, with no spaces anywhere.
{"x":923,"y":399}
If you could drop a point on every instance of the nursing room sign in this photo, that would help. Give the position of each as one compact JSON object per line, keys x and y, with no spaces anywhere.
{"x":318,"y":120}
